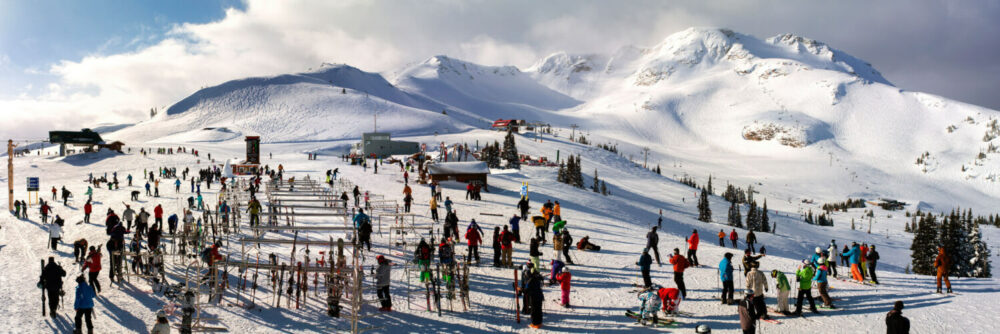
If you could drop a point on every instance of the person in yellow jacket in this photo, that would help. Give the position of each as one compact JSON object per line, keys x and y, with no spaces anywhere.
{"x":434,"y":209}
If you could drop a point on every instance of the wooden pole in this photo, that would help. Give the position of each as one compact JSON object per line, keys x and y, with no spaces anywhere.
{"x":10,"y":174}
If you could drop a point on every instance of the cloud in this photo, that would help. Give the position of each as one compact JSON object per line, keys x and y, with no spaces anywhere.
{"x":918,"y":45}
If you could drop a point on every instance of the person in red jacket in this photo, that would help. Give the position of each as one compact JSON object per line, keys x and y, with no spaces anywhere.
{"x":474,"y":237}
{"x":671,"y":299}
{"x":564,"y":279}
{"x":693,"y":248}
{"x":86,"y":212}
{"x":506,"y":247}
{"x":680,"y":263}
{"x":733,"y":237}
{"x":158,"y":213}
{"x":94,"y":265}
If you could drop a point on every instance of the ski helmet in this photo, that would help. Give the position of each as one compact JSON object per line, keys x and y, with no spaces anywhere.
{"x":818,"y":250}
{"x":703,"y":328}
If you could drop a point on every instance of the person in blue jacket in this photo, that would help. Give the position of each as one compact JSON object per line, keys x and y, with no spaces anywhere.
{"x":815,"y":259}
{"x":84,"y":304}
{"x":822,"y":284}
{"x":645,"y":261}
{"x":853,"y":258}
{"x":726,"y":276}
{"x":359,"y":218}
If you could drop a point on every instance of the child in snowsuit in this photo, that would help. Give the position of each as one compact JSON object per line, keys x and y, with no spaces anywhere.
{"x":564,"y":284}
{"x":650,"y":305}
{"x":671,"y":299}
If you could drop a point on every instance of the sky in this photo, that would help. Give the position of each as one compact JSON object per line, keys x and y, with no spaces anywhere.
{"x":74,"y":64}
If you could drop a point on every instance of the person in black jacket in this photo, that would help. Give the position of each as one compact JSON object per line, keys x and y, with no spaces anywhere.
{"x":496,"y":246}
{"x":52,"y":282}
{"x":534,"y":290}
{"x":653,"y":242}
{"x":523,"y":206}
{"x":872,"y":261}
{"x":525,"y":277}
{"x":895,"y":322}
{"x":567,"y":243}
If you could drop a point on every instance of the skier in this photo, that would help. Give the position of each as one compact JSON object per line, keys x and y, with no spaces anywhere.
{"x":567,"y":243}
{"x":422,"y":257}
{"x":726,"y":276}
{"x":158,"y":215}
{"x":750,"y":260}
{"x":650,"y":305}
{"x":357,"y":196}
{"x":172,"y":224}
{"x":496,"y":246}
{"x":756,"y":281}
{"x":653,"y":242}
{"x":407,"y":200}
{"x":52,"y":282}
{"x":872,"y":262}
{"x":474,"y":237}
{"x":162,"y":325}
{"x":128,"y":215}
{"x":895,"y":322}
{"x":506,"y":247}
{"x":55,"y":232}
{"x":44,"y":210}
{"x":515,"y":227}
{"x":733,"y":237}
{"x":804,"y":276}
{"x":87,"y":209}
{"x":89,"y":193}
{"x":148,"y":188}
{"x":671,"y":299}
{"x":447,"y":204}
{"x":84,"y":305}
{"x":831,"y":260}
{"x":80,"y":250}
{"x":364,"y":226}
{"x":781,"y":283}
{"x":853,"y":257}
{"x":254,"y":209}
{"x":645,"y":261}
{"x":822,"y":283}
{"x":748,"y":318}
{"x":943,"y":265}
{"x":585,"y":244}
{"x":534,"y":290}
{"x":65,"y":196}
{"x":533,"y":251}
{"x":382,"y":277}
{"x":434,"y":209}
{"x":692,"y":253}
{"x":523,"y":206}
{"x":177,"y":185}
{"x":680,"y":263}
{"x":751,"y":241}
{"x":557,"y":212}
{"x":564,"y":284}
{"x":446,"y":256}
{"x":539,"y":222}
{"x":722,"y":238}
{"x":93,"y":267}
{"x":817,"y":258}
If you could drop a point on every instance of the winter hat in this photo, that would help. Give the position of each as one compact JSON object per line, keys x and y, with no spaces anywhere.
{"x":898,"y":306}
{"x":566,"y":270}
{"x":805,"y":261}
{"x":774,"y":273}
{"x":161,"y":314}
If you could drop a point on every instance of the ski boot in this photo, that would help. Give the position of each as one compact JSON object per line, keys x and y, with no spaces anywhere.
{"x":949,"y":290}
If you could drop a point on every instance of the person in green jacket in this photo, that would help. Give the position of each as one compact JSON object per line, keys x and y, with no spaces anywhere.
{"x":804,"y":276}
{"x":783,"y":290}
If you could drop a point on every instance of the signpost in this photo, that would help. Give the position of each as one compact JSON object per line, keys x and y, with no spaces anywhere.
{"x":32,"y":189}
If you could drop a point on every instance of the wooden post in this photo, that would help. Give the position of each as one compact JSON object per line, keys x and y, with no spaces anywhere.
{"x":10,"y":174}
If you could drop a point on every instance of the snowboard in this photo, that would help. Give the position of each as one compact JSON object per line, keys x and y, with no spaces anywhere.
{"x":661,"y":322}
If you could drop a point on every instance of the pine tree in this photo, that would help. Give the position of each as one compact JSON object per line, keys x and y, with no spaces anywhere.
{"x":604,"y":189}
{"x":752,"y":223}
{"x":765,"y":224}
{"x":710,"y":190}
{"x":852,"y":224}
{"x":510,"y":150}
{"x":750,"y":194}
{"x":704,"y":210}
{"x":658,"y":170}
{"x":561,"y":175}
{"x":579,"y":173}
{"x":952,"y":236}
{"x":980,"y":262}
{"x":734,"y":215}
{"x":923,"y":250}
{"x":597,"y":182}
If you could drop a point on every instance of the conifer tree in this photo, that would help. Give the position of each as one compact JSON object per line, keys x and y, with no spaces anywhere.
{"x":765,"y":221}
{"x":923,"y":250}
{"x":510,"y":150}
{"x":597,"y":182}
{"x":734,"y":215}
{"x":561,"y":175}
{"x":952,"y":237}
{"x":752,"y":223}
{"x":604,"y":189}
{"x":980,"y":262}
{"x":710,"y":190}
{"x":704,"y":211}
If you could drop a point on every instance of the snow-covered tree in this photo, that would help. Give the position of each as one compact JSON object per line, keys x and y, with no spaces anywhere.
{"x":753,"y":223}
{"x":510,"y":150}
{"x":980,"y":262}
{"x":923,"y":250}
{"x":597,"y":182}
{"x":765,"y":221}
{"x":734,"y":215}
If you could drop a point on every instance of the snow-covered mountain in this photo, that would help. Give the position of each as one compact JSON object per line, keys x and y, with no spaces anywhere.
{"x":711,"y":100}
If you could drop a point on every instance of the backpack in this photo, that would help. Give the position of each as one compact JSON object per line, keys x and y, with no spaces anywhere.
{"x":205,"y":254}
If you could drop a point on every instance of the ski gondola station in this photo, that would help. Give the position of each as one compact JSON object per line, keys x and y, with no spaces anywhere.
{"x":713,"y":181}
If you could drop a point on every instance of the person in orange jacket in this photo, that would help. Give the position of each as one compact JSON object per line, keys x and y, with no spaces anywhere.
{"x":722,"y":238}
{"x":943,"y":265}
{"x":564,"y":284}
{"x":680,"y":263}
{"x":557,"y":212}
{"x":692,"y":255}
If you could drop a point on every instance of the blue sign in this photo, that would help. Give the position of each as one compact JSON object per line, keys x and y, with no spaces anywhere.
{"x":32,"y":184}
{"x":524,"y":190}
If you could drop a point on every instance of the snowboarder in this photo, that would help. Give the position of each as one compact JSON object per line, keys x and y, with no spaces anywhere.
{"x":872,"y":262}
{"x":645,"y":261}
{"x":653,"y":242}
{"x":680,"y":263}
{"x":757,"y":282}
{"x":943,"y":265}
{"x":895,"y":322}
{"x":781,"y":284}
{"x":692,"y":253}
{"x":726,"y":276}
{"x":382,"y":278}
{"x":84,"y":305}
{"x":52,"y":282}
{"x":804,"y":276}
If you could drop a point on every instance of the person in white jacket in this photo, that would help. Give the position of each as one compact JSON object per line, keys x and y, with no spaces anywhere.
{"x":757,"y":282}
{"x":162,"y":325}
{"x":830,"y":260}
{"x":55,"y":232}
